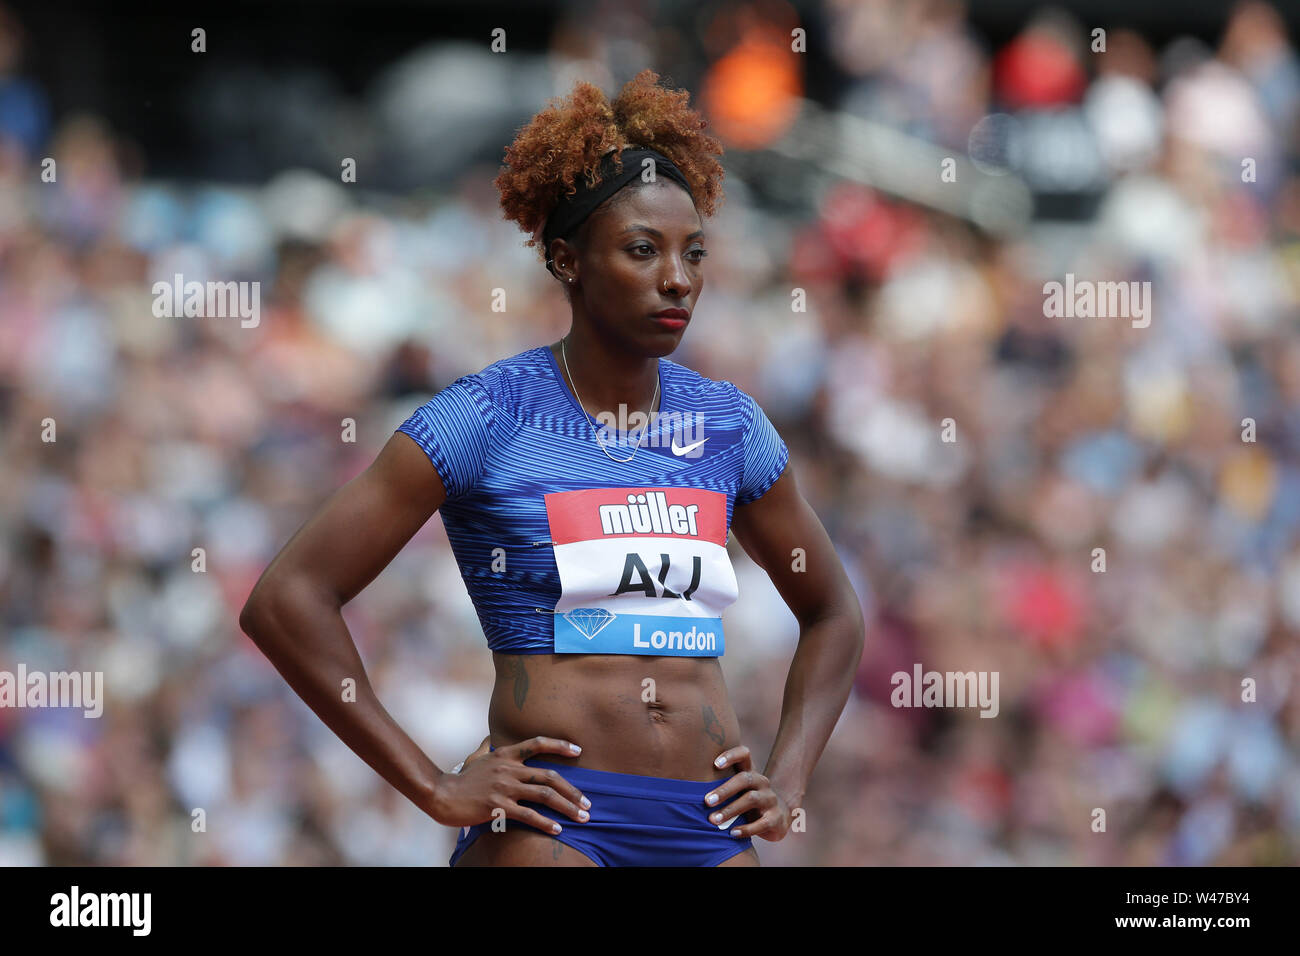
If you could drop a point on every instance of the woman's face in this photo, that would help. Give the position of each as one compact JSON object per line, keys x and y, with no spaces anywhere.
{"x":641,"y":253}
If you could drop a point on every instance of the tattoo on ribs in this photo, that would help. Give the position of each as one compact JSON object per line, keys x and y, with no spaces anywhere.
{"x":519,"y":674}
{"x":713,"y":727}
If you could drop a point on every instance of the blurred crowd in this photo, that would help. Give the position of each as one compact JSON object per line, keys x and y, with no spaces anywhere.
{"x":1122,"y":671}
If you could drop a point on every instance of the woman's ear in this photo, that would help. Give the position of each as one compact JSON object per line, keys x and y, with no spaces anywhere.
{"x":563,"y":261}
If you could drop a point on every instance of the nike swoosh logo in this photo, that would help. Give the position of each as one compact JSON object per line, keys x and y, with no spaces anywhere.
{"x":679,"y":450}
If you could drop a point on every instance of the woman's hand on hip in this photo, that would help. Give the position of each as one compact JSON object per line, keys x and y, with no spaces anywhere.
{"x":488,"y":780}
{"x":766,"y":814}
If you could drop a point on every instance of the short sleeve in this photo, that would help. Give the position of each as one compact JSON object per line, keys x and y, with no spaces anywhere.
{"x":766,"y":454}
{"x":454,"y":428}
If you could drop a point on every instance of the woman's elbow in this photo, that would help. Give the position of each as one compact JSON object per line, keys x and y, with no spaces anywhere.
{"x":260,"y":607}
{"x":252,"y":613}
{"x":844,"y":611}
{"x":280,"y":598}
{"x":849,"y":609}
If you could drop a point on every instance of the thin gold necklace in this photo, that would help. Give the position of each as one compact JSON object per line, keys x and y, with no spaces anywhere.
{"x":565,"y":355}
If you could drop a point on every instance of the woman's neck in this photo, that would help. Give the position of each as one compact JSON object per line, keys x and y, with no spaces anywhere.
{"x":607,"y":378}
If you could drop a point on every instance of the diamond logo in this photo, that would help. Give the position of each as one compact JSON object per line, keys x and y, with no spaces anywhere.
{"x":589,"y":621}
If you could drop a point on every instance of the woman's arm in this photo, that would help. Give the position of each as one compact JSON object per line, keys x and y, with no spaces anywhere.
{"x":831,"y":628}
{"x":294,"y":613}
{"x":294,"y":616}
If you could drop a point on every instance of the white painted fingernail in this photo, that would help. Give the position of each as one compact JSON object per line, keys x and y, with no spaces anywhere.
{"x":720,"y":761}
{"x":575,"y":748}
{"x":583,"y":815}
{"x":586,"y":803}
{"x":711,"y":799}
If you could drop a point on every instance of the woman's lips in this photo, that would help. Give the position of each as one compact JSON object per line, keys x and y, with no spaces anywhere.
{"x":672,"y":319}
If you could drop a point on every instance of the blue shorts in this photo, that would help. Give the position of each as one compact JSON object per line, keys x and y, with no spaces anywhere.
{"x":635,"y":820}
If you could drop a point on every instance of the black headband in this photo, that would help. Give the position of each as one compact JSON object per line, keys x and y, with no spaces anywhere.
{"x":571,"y":211}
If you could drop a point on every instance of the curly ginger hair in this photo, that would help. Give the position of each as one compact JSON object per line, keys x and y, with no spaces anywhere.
{"x":568,"y":138}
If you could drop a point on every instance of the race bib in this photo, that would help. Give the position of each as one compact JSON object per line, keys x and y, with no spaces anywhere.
{"x":642,"y":571}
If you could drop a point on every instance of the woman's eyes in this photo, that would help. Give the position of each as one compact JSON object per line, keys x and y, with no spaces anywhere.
{"x":698,"y":253}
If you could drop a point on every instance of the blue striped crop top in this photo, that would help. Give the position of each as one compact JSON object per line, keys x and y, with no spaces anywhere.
{"x":563,"y":550}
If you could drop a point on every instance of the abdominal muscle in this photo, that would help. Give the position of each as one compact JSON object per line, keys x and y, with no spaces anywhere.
{"x":603,"y":703}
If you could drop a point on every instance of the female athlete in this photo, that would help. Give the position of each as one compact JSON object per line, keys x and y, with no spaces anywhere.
{"x":596,"y":557}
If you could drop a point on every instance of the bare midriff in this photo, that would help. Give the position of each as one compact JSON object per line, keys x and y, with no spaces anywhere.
{"x":655,"y":716}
